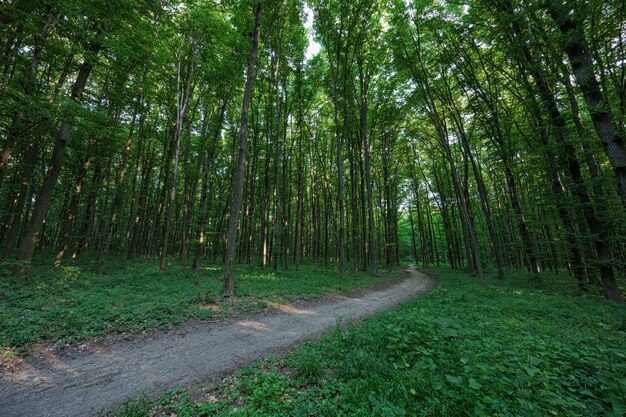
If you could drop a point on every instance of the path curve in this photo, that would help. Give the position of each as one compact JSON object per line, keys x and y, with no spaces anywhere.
{"x":87,"y":383}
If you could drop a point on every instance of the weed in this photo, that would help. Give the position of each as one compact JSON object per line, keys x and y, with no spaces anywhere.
{"x":307,"y":361}
{"x":138,"y":408}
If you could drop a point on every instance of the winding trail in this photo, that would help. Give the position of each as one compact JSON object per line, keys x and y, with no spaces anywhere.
{"x":67,"y":384}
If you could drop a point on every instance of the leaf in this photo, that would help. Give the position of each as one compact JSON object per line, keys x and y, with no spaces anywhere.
{"x":473,"y":384}
{"x":453,"y":379}
{"x":531,"y":370}
{"x":619,"y":406}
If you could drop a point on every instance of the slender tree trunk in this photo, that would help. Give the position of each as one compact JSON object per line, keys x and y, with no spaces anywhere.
{"x":119,"y":191}
{"x":266,"y":211}
{"x":422,"y":77}
{"x":231,"y":241}
{"x":368,"y":175}
{"x":31,"y":235}
{"x":189,"y":194}
{"x":484,"y":202}
{"x":182,"y":100}
{"x":139,"y":218}
{"x":447,"y":225}
{"x":155,"y":222}
{"x":131,"y":223}
{"x":30,"y":86}
{"x":277,"y":185}
{"x":299,"y":186}
{"x":570,"y":161}
{"x":98,"y":177}
{"x":286,"y":188}
{"x":8,"y":243}
{"x":465,"y":217}
{"x":576,"y":47}
{"x":413,"y":241}
{"x":340,"y":204}
{"x":248,"y":232}
{"x":205,"y":200}
{"x":69,"y":218}
{"x":527,"y":240}
{"x":354,"y":211}
{"x":365,"y":239}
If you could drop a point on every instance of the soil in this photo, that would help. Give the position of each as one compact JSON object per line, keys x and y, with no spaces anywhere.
{"x":95,"y":376}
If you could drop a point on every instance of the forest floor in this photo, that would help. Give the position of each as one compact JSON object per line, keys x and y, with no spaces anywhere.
{"x":86,"y":379}
{"x":59,"y":307}
{"x":523,"y":346}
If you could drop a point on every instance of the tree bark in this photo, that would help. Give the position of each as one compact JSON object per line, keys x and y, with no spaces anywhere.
{"x":231,"y":241}
{"x":278,"y":231}
{"x":70,"y":216}
{"x":182,"y":100}
{"x":373,"y":252}
{"x":8,"y":243}
{"x":576,"y":47}
{"x":31,"y":235}
{"x":205,"y":190}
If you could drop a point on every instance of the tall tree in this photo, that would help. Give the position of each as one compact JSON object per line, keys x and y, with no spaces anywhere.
{"x":231,"y":241}
{"x":577,"y":49}
{"x":29,"y":240}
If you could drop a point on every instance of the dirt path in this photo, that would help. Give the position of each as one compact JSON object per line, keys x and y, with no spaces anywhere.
{"x":85,"y":383}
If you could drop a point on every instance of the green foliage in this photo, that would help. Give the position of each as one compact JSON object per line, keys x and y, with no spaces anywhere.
{"x":137,"y":408}
{"x":72,"y":303}
{"x":468,"y":349}
{"x":308,"y":362}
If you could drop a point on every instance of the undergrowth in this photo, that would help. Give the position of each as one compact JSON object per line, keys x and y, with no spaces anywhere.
{"x":511,"y":348}
{"x":71,"y":303}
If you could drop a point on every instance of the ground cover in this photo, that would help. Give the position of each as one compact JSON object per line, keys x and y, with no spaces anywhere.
{"x":517,"y":347}
{"x":72,"y":303}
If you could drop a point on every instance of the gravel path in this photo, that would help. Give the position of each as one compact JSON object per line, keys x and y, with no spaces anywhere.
{"x":68,"y":384}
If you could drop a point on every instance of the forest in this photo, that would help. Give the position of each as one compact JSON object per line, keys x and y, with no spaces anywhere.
{"x":170,"y":164}
{"x":485,"y":136}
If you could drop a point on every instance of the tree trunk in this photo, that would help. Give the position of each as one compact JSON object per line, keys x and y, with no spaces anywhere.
{"x":98,"y":177}
{"x":482,"y":194}
{"x":527,"y":240}
{"x":119,"y":188}
{"x":17,"y":126}
{"x":277,"y":185}
{"x":576,"y":47}
{"x":182,"y":100}
{"x":31,"y":235}
{"x":70,"y":216}
{"x":571,"y":164}
{"x":8,"y":243}
{"x":368,"y":176}
{"x":205,"y":201}
{"x":231,"y":241}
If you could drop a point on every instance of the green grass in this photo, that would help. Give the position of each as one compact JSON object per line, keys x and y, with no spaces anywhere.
{"x":512,"y":348}
{"x":71,"y":303}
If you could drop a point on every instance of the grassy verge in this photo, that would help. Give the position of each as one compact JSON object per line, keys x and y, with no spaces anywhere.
{"x":70,"y":304}
{"x":512,"y":348}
